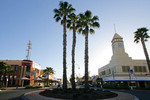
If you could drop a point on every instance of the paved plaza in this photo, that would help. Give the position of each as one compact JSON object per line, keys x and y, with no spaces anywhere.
{"x":33,"y":94}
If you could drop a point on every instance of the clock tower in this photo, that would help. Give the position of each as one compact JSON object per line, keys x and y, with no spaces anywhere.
{"x":117,"y":45}
{"x":118,"y":48}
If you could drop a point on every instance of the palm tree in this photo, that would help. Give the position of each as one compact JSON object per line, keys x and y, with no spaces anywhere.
{"x":142,"y":35}
{"x":61,"y":14}
{"x":47,"y":71}
{"x":86,"y":22}
{"x":71,"y":24}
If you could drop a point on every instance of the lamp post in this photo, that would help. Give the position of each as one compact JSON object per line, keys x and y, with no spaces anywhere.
{"x":113,"y":75}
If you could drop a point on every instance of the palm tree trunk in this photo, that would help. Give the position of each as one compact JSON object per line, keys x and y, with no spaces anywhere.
{"x":146,"y":53}
{"x":73,"y":57}
{"x":86,"y":59}
{"x":64,"y":54}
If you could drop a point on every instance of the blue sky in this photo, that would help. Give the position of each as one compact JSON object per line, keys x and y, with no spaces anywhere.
{"x":24,"y":20}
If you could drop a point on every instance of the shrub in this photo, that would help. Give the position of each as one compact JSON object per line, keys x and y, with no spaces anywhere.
{"x":116,"y":87}
{"x":148,"y":87}
{"x":78,"y":94}
{"x":32,"y":87}
{"x":48,"y":85}
{"x":1,"y":86}
{"x":29,"y":86}
{"x":37,"y":86}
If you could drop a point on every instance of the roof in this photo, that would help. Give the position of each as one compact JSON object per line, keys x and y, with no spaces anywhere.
{"x":117,"y":36}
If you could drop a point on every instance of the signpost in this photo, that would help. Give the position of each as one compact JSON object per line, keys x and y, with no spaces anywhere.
{"x":131,"y":74}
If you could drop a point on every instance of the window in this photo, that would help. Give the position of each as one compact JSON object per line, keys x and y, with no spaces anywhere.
{"x":109,"y":71}
{"x":15,"y":77}
{"x":136,"y":68}
{"x":12,"y":66}
{"x":140,"y":69}
{"x":144,"y":68}
{"x":16,"y":67}
{"x":10,"y":77}
{"x":1,"y":77}
{"x":125,"y":68}
{"x":28,"y":70}
{"x":103,"y":72}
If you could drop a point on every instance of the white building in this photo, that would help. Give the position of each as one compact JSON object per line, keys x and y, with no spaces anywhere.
{"x":122,"y":69}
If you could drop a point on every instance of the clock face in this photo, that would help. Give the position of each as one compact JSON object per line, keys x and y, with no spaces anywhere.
{"x":119,"y":45}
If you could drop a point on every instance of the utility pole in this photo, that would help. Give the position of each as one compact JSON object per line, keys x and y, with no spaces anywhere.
{"x":28,"y":50}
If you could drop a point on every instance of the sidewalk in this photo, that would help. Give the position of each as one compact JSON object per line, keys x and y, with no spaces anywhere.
{"x":11,"y":88}
{"x":19,"y":88}
{"x":35,"y":96}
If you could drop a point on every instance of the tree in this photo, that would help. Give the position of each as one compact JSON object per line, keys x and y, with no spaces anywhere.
{"x":4,"y":69}
{"x":142,"y":35}
{"x":99,"y":80}
{"x":71,"y":24}
{"x":61,"y":14}
{"x":86,"y":23}
{"x":79,"y":79}
{"x":47,"y":71}
{"x":83,"y":77}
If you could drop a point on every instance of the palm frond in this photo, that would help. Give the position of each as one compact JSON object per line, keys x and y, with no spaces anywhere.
{"x":61,"y":4}
{"x":68,"y":24}
{"x":88,"y":14}
{"x":80,"y":30}
{"x":96,"y":24}
{"x":61,"y":22}
{"x":56,"y":15}
{"x":65,"y":5}
{"x":58,"y":19}
{"x":95,"y":18}
{"x":56,"y":11}
{"x":141,"y":33}
{"x":81,"y":16}
{"x":92,"y":31}
{"x":70,"y":8}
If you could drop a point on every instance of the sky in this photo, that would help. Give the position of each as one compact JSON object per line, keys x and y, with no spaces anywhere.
{"x":24,"y":20}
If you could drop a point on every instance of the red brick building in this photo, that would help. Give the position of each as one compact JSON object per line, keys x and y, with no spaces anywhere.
{"x":21,"y":68}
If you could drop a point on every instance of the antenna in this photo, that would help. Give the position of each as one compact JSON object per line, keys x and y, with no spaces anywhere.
{"x":28,"y":50}
{"x":114,"y":28}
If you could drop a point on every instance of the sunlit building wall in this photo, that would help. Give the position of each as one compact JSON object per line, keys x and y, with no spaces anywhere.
{"x":122,"y":69}
{"x":21,"y":68}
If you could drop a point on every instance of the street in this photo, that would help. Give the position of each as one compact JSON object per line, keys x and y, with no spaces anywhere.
{"x":141,"y":94}
{"x":14,"y":94}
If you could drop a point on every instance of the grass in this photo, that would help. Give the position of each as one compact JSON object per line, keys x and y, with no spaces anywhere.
{"x":78,"y":94}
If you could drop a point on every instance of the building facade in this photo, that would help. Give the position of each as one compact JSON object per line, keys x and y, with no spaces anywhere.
{"x":21,"y":68}
{"x":122,"y":69}
{"x":50,"y":77}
